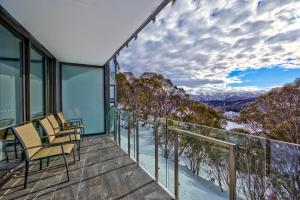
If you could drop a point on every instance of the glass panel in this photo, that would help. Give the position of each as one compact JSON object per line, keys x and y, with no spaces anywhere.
{"x":112,"y":93}
{"x":83,"y":96}
{"x":165,"y":158}
{"x":124,"y":131}
{"x":132,"y":137}
{"x":147,"y":147}
{"x":203,"y":170}
{"x":10,"y":78}
{"x":283,"y":168}
{"x":37,"y":84}
{"x":112,"y":116}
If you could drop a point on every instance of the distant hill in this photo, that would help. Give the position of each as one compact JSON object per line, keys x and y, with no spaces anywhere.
{"x":230,"y":105}
{"x":228,"y":101}
{"x":276,"y":114}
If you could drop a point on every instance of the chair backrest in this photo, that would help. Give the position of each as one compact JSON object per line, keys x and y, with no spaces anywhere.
{"x":29,"y":138}
{"x":54,"y":123}
{"x":61,"y":117}
{"x":48,"y":129}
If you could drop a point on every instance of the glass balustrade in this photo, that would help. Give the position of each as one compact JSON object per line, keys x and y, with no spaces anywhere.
{"x":198,"y":162}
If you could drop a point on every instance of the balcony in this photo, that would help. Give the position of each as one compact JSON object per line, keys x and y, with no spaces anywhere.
{"x":144,"y":158}
{"x":53,"y":59}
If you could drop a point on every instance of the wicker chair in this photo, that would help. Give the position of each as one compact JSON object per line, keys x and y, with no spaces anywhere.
{"x":54,"y":135}
{"x":34,"y":149}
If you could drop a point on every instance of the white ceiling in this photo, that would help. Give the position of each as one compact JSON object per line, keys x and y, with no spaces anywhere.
{"x":81,"y":31}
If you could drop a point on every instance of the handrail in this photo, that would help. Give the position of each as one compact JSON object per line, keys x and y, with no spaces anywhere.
{"x":217,"y":129}
{"x":202,"y":137}
{"x":148,"y":122}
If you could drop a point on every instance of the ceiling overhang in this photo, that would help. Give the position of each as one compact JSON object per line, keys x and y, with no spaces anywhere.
{"x":83,"y":31}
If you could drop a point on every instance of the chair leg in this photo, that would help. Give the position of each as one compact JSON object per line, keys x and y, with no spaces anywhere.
{"x":67,"y":166}
{"x":78,"y":149}
{"x":5,"y":152}
{"x":73,"y":152}
{"x":41,"y":164}
{"x":48,"y":161}
{"x":15,"y":147}
{"x":26,"y":173}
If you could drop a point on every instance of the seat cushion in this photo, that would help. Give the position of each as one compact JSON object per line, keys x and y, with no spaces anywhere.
{"x":52,"y":151}
{"x":29,"y":138}
{"x":67,"y":138}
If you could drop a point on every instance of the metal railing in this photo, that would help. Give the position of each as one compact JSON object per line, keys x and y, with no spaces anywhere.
{"x":264,"y":157}
{"x":132,"y":118}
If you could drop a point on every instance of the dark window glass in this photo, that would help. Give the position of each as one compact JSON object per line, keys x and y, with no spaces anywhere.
{"x":37,"y":84}
{"x":10,"y":78}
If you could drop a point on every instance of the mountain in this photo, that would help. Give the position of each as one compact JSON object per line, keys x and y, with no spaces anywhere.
{"x":228,"y":101}
{"x":129,"y":76}
{"x":211,"y":96}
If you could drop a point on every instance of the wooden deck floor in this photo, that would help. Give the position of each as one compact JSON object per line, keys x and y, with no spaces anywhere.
{"x":104,"y":172}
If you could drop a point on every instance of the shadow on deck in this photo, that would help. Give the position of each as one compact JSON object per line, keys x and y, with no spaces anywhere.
{"x":104,"y":172}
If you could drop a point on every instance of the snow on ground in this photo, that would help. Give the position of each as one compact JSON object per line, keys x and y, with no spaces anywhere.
{"x":233,"y":125}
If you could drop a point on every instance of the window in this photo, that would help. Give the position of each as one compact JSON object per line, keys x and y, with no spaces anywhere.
{"x":10,"y":78}
{"x":112,"y":81}
{"x":37,"y":84}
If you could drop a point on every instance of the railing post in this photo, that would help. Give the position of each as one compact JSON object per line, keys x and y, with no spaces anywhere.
{"x":232,"y":172}
{"x":115,"y":126}
{"x":156,"y":151}
{"x":166,"y":153}
{"x":137,"y":142}
{"x":176,"y":172}
{"x":119,"y":128}
{"x":128,"y":128}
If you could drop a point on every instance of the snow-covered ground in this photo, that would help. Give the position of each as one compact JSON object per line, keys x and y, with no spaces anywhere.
{"x":192,"y":187}
{"x":233,"y":125}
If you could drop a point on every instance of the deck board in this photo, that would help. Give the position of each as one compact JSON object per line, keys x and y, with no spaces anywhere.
{"x":104,"y":172}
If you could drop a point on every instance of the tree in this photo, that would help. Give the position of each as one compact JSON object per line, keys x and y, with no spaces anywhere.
{"x":276,"y":115}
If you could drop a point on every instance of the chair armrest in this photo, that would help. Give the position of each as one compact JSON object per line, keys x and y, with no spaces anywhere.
{"x":60,"y":134}
{"x":44,"y":145}
{"x":72,"y":125}
{"x":78,"y":120}
{"x":75,"y":119}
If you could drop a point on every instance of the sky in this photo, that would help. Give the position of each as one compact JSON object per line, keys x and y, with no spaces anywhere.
{"x":220,"y":45}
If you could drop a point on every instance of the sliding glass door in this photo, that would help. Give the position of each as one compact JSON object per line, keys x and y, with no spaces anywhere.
{"x":37,"y":84}
{"x":83,"y":96}
{"x":10,"y":78}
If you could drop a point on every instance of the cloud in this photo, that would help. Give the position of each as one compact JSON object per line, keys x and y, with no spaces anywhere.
{"x":290,"y":36}
{"x":197,"y":44}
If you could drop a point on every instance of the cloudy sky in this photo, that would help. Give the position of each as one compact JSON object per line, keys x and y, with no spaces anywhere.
{"x":217,"y":45}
